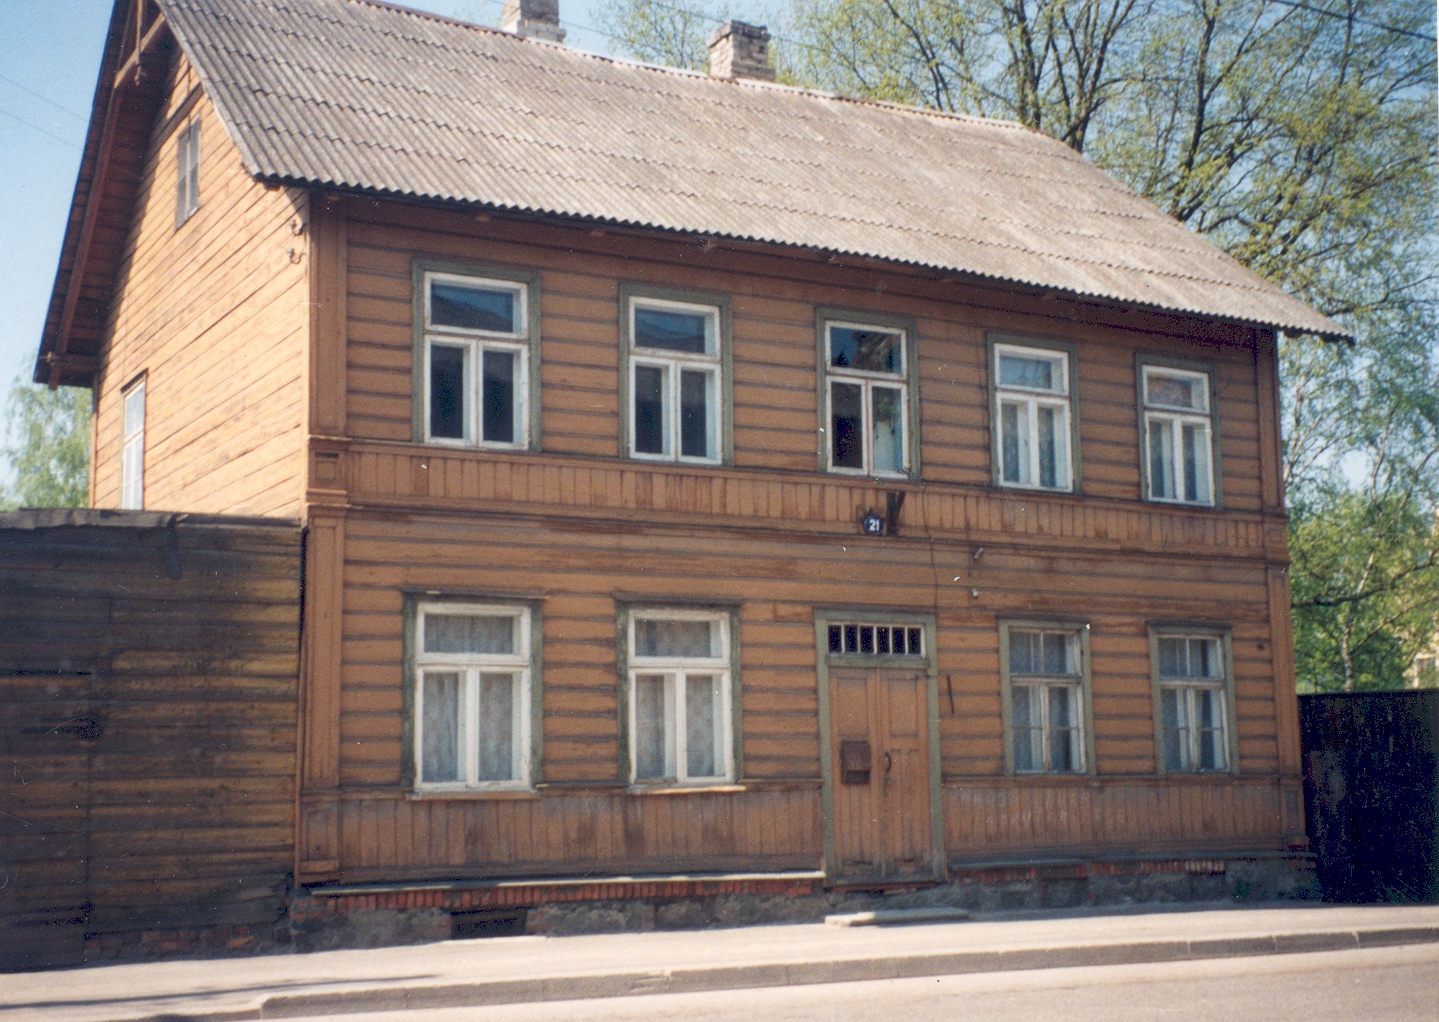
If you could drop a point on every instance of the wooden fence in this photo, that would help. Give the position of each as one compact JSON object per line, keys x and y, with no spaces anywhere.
{"x":148,"y":673}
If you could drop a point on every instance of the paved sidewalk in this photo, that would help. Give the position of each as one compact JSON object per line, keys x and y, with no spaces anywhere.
{"x":528,"y":969}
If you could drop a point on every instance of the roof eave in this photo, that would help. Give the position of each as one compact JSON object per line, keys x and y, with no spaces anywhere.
{"x":1338,"y":334}
{"x":55,"y":364}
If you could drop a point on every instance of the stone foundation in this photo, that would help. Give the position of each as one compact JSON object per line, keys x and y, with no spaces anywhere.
{"x":393,"y":915}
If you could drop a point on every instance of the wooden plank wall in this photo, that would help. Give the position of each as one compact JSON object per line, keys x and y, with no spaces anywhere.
{"x":779,"y":579}
{"x":1178,"y":815}
{"x":148,"y":675}
{"x":775,"y":392}
{"x":580,"y":527}
{"x":215,"y":311}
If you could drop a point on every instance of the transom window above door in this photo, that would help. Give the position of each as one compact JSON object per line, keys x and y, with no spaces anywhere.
{"x":476,"y":361}
{"x":1032,"y":418}
{"x":675,"y":380}
{"x":856,"y":638}
{"x":1178,"y":435}
{"x":866,"y":399}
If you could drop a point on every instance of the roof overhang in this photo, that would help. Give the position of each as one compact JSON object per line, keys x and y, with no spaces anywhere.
{"x":138,"y":49}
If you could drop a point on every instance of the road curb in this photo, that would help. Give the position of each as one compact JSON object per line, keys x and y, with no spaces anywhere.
{"x":841,"y":970}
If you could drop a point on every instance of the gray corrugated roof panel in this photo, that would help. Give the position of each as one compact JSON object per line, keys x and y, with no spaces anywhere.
{"x":361,"y":95}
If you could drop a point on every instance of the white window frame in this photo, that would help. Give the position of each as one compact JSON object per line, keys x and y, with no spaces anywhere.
{"x":712,"y":362}
{"x":1187,"y":687}
{"x":132,"y":449}
{"x":1031,"y":400}
{"x":1043,"y":684}
{"x":867,"y":380}
{"x":187,"y":172}
{"x":1177,"y":418}
{"x":676,"y":669}
{"x":475,"y":343}
{"x":469,"y":666}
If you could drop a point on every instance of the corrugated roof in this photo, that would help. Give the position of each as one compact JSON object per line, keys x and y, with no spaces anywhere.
{"x":361,"y":95}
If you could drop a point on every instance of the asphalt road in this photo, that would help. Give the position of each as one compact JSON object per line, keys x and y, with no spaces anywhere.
{"x":1384,"y":985}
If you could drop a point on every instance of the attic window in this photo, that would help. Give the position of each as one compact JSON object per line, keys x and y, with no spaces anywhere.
{"x":187,"y":172}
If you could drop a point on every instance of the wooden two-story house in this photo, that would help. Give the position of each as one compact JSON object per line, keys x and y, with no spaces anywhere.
{"x":700,"y":475}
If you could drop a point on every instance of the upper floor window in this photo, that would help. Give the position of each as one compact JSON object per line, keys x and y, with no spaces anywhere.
{"x":472,"y":698}
{"x":866,"y":399}
{"x":1178,"y":431}
{"x":478,"y":342}
{"x":680,"y":697}
{"x":1032,"y":417}
{"x":1045,"y":677}
{"x":1194,"y":696}
{"x":676,"y":379}
{"x":132,"y":452}
{"x":187,"y":172}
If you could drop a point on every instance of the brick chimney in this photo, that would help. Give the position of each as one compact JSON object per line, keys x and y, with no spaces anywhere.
{"x":538,"y":19}
{"x":738,"y":50}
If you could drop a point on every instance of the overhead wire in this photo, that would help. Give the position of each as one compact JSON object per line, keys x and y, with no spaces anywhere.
{"x":1358,"y":21}
{"x":44,"y":99}
{"x":36,"y":127}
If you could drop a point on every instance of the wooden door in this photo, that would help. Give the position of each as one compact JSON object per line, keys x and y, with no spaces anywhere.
{"x":880,"y":775}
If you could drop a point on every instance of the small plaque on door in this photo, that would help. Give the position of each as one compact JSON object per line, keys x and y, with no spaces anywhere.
{"x":854,"y":759}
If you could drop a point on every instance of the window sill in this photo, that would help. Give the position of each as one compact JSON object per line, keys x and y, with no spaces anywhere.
{"x":1066,"y":491}
{"x":472,"y":795}
{"x":677,"y":462}
{"x":1051,"y":776}
{"x":452,"y":444}
{"x":685,"y":789}
{"x":1193,"y":505}
{"x":878,"y":477}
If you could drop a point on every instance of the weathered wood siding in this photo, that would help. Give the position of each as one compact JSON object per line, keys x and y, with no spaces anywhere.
{"x":214,"y":311}
{"x":775,"y":390}
{"x":781,"y":578}
{"x":148,"y":680}
{"x":582,"y":528}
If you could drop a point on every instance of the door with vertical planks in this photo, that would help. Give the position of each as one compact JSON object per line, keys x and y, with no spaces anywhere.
{"x":880,"y":771}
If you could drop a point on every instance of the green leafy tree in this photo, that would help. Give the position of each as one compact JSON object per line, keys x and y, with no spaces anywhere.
{"x":47,"y":446}
{"x":1298,"y":136}
{"x":673,"y":35}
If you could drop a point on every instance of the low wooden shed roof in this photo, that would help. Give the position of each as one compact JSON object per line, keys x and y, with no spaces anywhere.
{"x":365,"y":96}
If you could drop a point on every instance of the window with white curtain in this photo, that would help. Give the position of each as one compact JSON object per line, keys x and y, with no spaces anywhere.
{"x":472,"y":696}
{"x":1031,"y":410}
{"x":867,"y":399}
{"x":1193,"y":687}
{"x":132,"y":451}
{"x":1045,"y":682}
{"x":1178,"y":435}
{"x":679,"y":697}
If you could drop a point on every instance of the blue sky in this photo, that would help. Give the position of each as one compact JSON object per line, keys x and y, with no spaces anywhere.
{"x":49,"y":62}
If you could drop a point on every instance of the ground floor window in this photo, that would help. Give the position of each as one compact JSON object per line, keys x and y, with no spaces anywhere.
{"x":472,"y":696}
{"x":1045,"y":676}
{"x":1194,"y":694}
{"x":680,"y":701}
